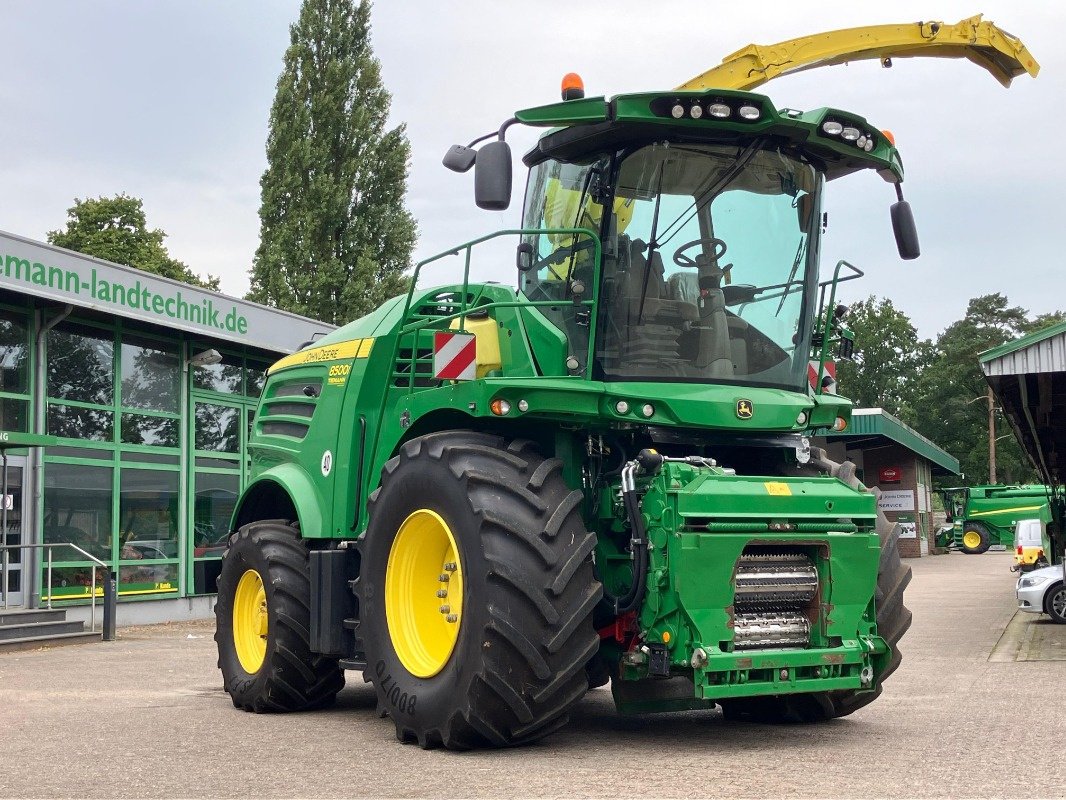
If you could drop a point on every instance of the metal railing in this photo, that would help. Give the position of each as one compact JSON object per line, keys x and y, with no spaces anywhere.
{"x":109,"y":594}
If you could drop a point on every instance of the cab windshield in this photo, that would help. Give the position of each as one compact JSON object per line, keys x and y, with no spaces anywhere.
{"x":710,"y":262}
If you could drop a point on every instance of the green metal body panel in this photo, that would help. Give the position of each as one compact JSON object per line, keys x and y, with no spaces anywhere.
{"x":332,"y":415}
{"x":997,"y":508}
{"x":699,"y":522}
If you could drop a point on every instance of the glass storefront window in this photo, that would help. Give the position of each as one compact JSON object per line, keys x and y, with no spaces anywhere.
{"x":155,"y":431}
{"x":148,"y":514}
{"x":149,"y":375}
{"x":80,"y":364}
{"x":215,"y":501}
{"x":74,"y":422}
{"x":218,"y":428}
{"x":136,"y":579}
{"x":222,"y":377}
{"x":14,"y":353}
{"x":77,"y":508}
{"x":255,"y":379}
{"x":13,"y":414}
{"x":73,"y":583}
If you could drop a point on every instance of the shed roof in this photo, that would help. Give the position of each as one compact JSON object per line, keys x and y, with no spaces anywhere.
{"x":1028,"y":378}
{"x":876,"y":423}
{"x":1041,"y":351}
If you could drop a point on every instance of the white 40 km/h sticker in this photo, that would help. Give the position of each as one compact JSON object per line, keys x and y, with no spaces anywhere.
{"x":327,"y":463}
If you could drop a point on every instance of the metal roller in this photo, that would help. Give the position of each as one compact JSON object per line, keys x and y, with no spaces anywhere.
{"x":763,"y":631}
{"x":783,"y":581}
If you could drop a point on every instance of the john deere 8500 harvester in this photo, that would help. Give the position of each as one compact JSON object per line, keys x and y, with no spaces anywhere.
{"x":488,"y":499}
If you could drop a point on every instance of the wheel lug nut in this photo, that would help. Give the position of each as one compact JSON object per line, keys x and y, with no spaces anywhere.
{"x":445,"y":609}
{"x":451,"y":566}
{"x":452,"y":618}
{"x":442,"y":592}
{"x":444,"y":577}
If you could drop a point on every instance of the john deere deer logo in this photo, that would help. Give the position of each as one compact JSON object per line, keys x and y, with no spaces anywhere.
{"x":745,"y":409}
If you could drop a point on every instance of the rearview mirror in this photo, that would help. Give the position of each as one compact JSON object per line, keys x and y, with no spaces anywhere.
{"x":905,"y":231}
{"x":492,"y":176}
{"x":459,"y":158}
{"x":524,"y":257}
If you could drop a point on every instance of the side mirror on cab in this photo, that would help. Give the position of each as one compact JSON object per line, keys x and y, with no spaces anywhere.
{"x":906,"y":232}
{"x":492,"y":176}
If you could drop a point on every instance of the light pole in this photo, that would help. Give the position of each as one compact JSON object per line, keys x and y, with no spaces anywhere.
{"x":991,"y":437}
{"x":991,"y":432}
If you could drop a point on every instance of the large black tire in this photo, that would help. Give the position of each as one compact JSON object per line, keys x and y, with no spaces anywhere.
{"x":893,"y":620}
{"x":1055,"y":603}
{"x":526,"y":632}
{"x":982,"y":532}
{"x":291,"y":677}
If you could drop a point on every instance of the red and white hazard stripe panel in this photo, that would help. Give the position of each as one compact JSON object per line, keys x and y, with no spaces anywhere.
{"x":454,"y":356}
{"x":828,"y":386}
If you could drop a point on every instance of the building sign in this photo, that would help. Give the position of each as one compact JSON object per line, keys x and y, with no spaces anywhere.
{"x":889,"y":475}
{"x":896,"y":500}
{"x":45,"y":271}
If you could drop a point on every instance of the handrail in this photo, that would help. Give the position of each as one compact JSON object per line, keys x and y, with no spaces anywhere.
{"x":465,"y":306}
{"x":109,"y":597}
{"x":825,"y":313}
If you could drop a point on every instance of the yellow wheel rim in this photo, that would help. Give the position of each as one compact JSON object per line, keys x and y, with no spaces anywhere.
{"x":424,"y":593}
{"x":250,"y":621}
{"x":971,"y":540}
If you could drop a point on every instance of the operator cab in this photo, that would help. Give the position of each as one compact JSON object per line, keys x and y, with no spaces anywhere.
{"x":709,"y":265}
{"x":692,"y":220}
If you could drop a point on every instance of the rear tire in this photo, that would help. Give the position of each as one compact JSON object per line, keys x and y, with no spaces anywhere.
{"x":515,"y":664}
{"x":975,"y":539}
{"x":893,"y":620}
{"x":279,"y":673}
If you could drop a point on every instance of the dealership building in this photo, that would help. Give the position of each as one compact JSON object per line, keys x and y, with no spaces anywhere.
{"x":149,"y":387}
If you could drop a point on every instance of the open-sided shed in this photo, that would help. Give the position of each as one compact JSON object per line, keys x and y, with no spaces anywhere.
{"x":1028,"y":378}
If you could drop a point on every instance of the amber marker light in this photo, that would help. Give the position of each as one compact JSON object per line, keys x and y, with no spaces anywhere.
{"x":501,"y":408}
{"x":573,"y":86}
{"x":891,"y":138}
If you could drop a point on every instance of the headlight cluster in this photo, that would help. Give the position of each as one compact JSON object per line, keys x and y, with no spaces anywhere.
{"x":1029,"y":581}
{"x":734,"y":109}
{"x":646,"y":410}
{"x":850,"y":132}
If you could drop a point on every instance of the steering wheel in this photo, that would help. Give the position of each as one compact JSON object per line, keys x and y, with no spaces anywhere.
{"x":683,"y":260}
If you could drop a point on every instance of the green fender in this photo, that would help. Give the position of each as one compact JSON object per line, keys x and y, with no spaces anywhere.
{"x":259,"y":499}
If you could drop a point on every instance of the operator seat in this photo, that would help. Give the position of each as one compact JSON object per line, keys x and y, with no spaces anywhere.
{"x":713,"y":352}
{"x":648,"y":318}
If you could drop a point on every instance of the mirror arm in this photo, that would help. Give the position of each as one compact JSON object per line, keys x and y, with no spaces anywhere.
{"x":503,"y":128}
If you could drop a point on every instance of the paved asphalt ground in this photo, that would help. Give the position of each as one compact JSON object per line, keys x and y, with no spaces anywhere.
{"x":145,"y":716}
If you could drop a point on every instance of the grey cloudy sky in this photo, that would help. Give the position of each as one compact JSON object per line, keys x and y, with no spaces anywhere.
{"x":169,"y":101}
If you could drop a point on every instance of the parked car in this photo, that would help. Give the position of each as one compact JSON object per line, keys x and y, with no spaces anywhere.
{"x":1043,"y":591}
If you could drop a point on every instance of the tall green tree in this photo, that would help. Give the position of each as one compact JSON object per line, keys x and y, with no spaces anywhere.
{"x":889,"y":357}
{"x":952,"y":408}
{"x":335,"y":238}
{"x":116,"y":229}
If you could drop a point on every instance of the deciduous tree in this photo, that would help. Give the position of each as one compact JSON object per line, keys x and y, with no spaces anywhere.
{"x":889,"y":357}
{"x":115,"y":229}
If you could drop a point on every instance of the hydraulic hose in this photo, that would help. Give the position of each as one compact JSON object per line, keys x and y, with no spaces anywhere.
{"x":638,"y":543}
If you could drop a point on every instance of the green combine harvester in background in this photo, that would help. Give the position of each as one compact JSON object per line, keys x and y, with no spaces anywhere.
{"x":983,"y":516}
{"x":488,"y":500}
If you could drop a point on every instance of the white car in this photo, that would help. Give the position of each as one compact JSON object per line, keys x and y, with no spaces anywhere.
{"x":1042,"y":591}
